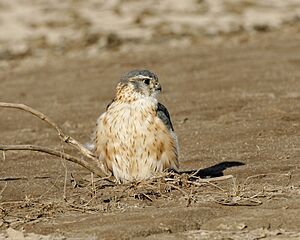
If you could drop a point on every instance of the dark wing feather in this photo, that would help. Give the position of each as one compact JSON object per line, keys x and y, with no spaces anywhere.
{"x":110,"y":104}
{"x":164,"y":115}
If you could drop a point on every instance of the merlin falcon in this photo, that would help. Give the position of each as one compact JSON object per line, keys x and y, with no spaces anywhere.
{"x":134,"y":137}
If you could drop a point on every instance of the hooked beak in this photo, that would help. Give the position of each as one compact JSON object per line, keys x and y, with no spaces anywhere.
{"x":157,"y":87}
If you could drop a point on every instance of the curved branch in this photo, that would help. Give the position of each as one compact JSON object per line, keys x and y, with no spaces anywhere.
{"x":97,"y":167}
{"x":91,"y":166}
{"x":61,"y":134}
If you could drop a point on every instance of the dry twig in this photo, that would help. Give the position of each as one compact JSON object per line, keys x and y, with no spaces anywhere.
{"x":2,"y":190}
{"x":214,"y":179}
{"x":65,"y":138}
{"x":88,"y":165}
{"x":98,"y":168}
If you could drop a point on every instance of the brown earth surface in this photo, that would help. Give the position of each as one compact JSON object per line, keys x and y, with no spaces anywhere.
{"x":236,"y":110}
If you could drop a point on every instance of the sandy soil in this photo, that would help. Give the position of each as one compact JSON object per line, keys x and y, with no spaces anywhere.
{"x":230,"y":77}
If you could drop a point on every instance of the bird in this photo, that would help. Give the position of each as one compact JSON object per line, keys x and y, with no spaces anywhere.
{"x":134,"y":137}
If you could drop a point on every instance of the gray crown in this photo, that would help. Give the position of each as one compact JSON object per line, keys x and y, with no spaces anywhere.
{"x":135,"y":73}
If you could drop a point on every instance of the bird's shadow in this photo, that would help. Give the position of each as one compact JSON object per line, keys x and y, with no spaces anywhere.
{"x":215,"y":170}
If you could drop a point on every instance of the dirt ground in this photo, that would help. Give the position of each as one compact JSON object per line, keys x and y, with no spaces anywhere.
{"x":235,"y":107}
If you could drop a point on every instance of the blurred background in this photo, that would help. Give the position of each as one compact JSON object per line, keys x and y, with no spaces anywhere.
{"x":40,"y":27}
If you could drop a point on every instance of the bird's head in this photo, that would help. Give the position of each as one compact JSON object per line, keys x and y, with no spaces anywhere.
{"x":141,"y":82}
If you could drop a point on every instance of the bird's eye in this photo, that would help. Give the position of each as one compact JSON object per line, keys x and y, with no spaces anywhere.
{"x":146,"y":81}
